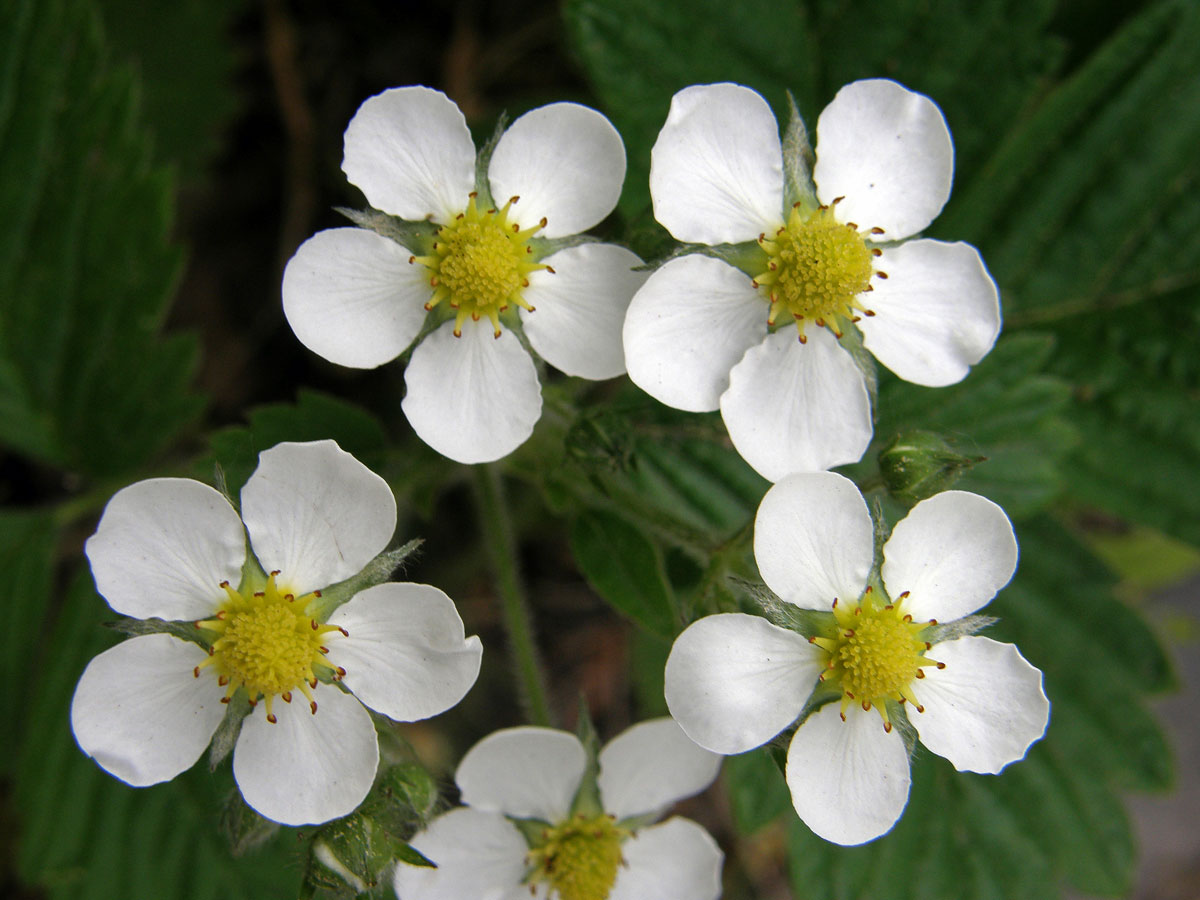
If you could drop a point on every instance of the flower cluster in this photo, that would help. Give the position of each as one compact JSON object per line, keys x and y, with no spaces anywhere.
{"x":175,"y":549}
{"x":266,"y":627}
{"x":734,"y":681}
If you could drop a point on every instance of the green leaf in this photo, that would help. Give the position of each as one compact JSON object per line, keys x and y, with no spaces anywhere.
{"x":86,"y":267}
{"x":624,"y":567}
{"x":757,"y":792}
{"x":1090,"y":203}
{"x":186,"y":61}
{"x":87,"y":836}
{"x":1056,"y":815}
{"x":1138,"y":383}
{"x":27,"y":543}
{"x":313,"y":417}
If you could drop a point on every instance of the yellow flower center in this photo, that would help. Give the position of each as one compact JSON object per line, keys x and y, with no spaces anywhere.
{"x":480,"y":263}
{"x":816,"y":269}
{"x":578,"y":859}
{"x":875,"y":654}
{"x":266,"y":643}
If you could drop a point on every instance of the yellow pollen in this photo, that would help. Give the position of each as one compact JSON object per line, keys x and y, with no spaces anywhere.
{"x":480,"y":263}
{"x":816,"y":269}
{"x":578,"y":859}
{"x":876,"y":653}
{"x":266,"y":643}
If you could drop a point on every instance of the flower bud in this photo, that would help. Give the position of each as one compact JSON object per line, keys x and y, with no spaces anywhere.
{"x":918,"y":464}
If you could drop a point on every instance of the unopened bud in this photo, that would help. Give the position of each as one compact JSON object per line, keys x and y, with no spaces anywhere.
{"x":918,"y":464}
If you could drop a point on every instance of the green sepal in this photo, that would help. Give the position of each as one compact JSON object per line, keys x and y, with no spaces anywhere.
{"x":777,"y":611}
{"x":227,"y":732}
{"x":949,"y":631}
{"x":533,"y":830}
{"x":587,"y":801}
{"x":917,"y":464}
{"x":798,"y":160}
{"x":417,"y":237}
{"x":185,"y":631}
{"x":377,"y":571}
{"x":483,"y":159}
{"x":245,"y":829}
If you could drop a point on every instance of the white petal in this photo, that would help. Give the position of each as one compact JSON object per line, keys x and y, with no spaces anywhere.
{"x":307,"y":767}
{"x":814,"y":540}
{"x":849,"y":780}
{"x":716,"y":170}
{"x":735,"y":681}
{"x":474,"y":398}
{"x":479,"y":856}
{"x":316,"y":514}
{"x":677,"y":860}
{"x":687,"y":326}
{"x":567,"y":164}
{"x":409,"y":151}
{"x":953,"y":553}
{"x":352,"y":297}
{"x":141,"y":714}
{"x":163,"y":547}
{"x":526,"y":772}
{"x":652,"y":765}
{"x":406,"y":656}
{"x":580,"y":309}
{"x":887,"y":152}
{"x":984,"y":709}
{"x":936,"y":314}
{"x":793,"y":407}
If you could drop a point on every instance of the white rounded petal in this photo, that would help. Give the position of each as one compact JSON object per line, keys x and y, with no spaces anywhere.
{"x":307,"y":767}
{"x":887,"y":152}
{"x":936,"y":314}
{"x":316,"y":514}
{"x":523,"y":772}
{"x":687,"y":327}
{"x":849,"y":780}
{"x":716,"y":170}
{"x":567,"y":164}
{"x":163,"y":547}
{"x":407,"y":656}
{"x":675,"y":860}
{"x":410,"y":152}
{"x":793,"y":407}
{"x":984,"y":709}
{"x":580,"y":309}
{"x":734,"y":681}
{"x":952,"y":553}
{"x":651,"y":765}
{"x":814,"y":541}
{"x":352,"y":297}
{"x":473,"y":398}
{"x":479,"y":855}
{"x":139,"y":711}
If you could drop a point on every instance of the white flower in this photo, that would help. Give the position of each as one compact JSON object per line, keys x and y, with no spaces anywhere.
{"x":175,"y":549}
{"x":701,"y":335}
{"x":360,"y":299}
{"x":734,"y":681}
{"x":579,"y":850}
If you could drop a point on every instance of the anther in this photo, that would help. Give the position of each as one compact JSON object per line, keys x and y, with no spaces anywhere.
{"x":876,"y":230}
{"x":271,"y":718}
{"x":881,"y":275}
{"x":286,"y":696}
{"x":313,"y":707}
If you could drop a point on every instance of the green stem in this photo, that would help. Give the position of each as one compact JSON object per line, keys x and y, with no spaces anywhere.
{"x":502,"y":555}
